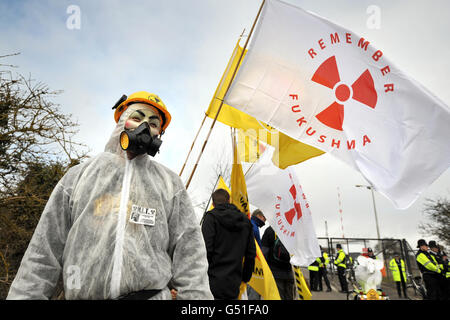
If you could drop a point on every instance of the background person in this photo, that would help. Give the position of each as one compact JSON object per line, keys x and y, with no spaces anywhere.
{"x":430,"y":270}
{"x":258,"y":220}
{"x":230,"y":246}
{"x":278,"y":258}
{"x":436,"y":252}
{"x":446,"y":274}
{"x":339,"y":261}
{"x":313,"y":269}
{"x":398,"y":269}
{"x":323,"y":270}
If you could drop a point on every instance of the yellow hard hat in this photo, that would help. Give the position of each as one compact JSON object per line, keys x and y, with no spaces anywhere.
{"x":144,"y":97}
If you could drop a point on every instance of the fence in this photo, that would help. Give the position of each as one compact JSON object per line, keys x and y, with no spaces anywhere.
{"x":382,"y":248}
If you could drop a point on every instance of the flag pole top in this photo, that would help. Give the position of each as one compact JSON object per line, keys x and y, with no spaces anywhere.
{"x":226,"y":91}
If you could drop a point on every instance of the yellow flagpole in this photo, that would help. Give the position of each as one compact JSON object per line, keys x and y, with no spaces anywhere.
{"x":192,"y":146}
{"x":201,"y":126}
{"x":221,"y":103}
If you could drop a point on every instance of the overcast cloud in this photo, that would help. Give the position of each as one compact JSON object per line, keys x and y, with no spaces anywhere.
{"x":179,"y":49}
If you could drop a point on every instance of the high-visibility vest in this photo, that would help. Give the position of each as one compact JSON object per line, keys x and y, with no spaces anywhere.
{"x":340,"y":259}
{"x":314,"y":266}
{"x":426,"y":262}
{"x":445,"y":267}
{"x":327,"y":259}
{"x":394,"y":267}
{"x":319,"y":261}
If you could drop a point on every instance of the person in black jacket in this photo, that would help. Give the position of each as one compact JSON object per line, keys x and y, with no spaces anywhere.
{"x":278,"y":260}
{"x":229,"y":239}
{"x":430,"y":270}
{"x":435,"y":251}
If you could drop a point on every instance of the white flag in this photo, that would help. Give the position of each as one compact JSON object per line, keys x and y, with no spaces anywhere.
{"x":278,"y":194}
{"x":328,"y":87}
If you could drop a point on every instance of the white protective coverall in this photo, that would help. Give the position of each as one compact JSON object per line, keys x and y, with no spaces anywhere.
{"x":85,"y":234}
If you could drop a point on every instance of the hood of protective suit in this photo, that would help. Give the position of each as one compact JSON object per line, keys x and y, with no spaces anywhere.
{"x":229,"y":216}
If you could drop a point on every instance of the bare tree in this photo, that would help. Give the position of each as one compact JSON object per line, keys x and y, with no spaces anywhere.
{"x":437,"y":225}
{"x":32,"y":129}
{"x":36,"y":148}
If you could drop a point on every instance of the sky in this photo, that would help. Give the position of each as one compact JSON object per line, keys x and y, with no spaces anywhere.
{"x":103,"y":49}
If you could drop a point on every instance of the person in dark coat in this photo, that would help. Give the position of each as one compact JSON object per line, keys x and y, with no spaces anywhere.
{"x":430,"y":270}
{"x":436,"y":252}
{"x":230,"y":247}
{"x":278,"y":260}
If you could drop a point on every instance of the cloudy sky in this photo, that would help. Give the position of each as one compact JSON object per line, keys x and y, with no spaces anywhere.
{"x":179,"y":49}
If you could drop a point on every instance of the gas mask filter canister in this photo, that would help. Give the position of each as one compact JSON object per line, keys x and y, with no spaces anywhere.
{"x":139,"y":140}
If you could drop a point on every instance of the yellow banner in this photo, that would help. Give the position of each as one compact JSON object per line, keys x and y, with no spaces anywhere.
{"x":300,"y":283}
{"x":288,"y":151}
{"x":238,"y":187}
{"x":262,"y":279}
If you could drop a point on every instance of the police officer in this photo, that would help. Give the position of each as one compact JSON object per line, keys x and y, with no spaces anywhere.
{"x":314,"y":274}
{"x":323,"y":270}
{"x":430,"y":270}
{"x":397,"y":267}
{"x":436,"y":252}
{"x":446,"y":264}
{"x":339,"y":261}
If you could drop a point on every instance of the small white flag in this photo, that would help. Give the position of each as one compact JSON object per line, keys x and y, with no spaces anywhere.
{"x":279,"y":195}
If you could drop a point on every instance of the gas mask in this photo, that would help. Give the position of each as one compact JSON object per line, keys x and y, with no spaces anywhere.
{"x":140,"y":140}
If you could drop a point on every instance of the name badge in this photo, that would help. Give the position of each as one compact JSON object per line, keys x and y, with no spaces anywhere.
{"x":141,"y":215}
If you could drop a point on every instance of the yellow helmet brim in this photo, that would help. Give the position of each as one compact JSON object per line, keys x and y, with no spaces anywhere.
{"x":147,"y":98}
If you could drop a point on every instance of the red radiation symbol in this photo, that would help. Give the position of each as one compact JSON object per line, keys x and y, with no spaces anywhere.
{"x":296,"y":210}
{"x":363,"y":90}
